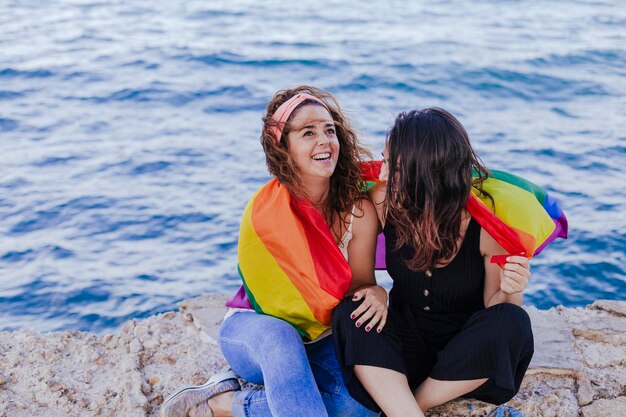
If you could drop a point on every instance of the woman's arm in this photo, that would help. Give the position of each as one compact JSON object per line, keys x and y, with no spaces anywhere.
{"x":379,"y":190}
{"x":377,"y":194}
{"x":362,"y":247}
{"x":503,"y":285}
{"x":361,"y":257}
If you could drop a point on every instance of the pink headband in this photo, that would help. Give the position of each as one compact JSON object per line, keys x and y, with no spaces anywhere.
{"x":284,"y":111}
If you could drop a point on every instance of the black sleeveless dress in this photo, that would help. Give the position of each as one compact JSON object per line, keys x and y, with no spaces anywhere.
{"x":438,"y":326}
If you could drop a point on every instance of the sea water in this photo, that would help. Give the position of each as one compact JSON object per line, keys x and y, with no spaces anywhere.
{"x":129,"y":133}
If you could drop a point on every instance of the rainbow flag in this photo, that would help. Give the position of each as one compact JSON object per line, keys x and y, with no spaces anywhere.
{"x":292,"y":268}
{"x":524,"y":221}
{"x":523,"y":218}
{"x":289,"y":263}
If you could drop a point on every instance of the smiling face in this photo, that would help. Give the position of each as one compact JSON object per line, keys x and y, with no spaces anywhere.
{"x":313,"y":143}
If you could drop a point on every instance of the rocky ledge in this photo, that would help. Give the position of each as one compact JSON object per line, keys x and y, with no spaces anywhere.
{"x":579,"y":368}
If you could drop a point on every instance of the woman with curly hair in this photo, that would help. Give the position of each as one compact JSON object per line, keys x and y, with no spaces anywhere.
{"x":313,"y":154}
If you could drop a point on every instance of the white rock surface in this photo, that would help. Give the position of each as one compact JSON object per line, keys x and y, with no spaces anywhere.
{"x":579,"y":367}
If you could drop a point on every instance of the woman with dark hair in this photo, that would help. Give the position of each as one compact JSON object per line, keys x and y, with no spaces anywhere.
{"x":315,"y":200}
{"x":455,"y":326}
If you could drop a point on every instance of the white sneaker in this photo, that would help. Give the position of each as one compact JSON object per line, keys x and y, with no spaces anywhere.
{"x":194,"y":396}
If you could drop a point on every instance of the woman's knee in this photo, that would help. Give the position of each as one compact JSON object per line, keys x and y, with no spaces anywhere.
{"x":260,"y":336}
{"x":253,"y":343}
{"x":258,"y":329}
{"x":341,"y":313}
{"x":511,"y":321}
{"x":514,"y":314}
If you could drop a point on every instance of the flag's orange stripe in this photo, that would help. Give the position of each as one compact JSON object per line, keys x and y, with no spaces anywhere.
{"x":271,"y":214}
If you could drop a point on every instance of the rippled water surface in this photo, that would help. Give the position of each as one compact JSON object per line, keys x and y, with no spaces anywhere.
{"x":129,"y":132}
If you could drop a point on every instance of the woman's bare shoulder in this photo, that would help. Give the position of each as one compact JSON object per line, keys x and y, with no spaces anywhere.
{"x":365,"y":217}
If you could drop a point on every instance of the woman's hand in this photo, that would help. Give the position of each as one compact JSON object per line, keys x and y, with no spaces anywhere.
{"x":515,"y":275}
{"x":373,"y":309}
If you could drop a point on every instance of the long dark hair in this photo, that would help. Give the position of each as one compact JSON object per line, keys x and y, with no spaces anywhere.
{"x":346,"y":181}
{"x":431,"y":164}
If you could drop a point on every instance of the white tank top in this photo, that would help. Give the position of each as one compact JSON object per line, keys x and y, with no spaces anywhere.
{"x":346,"y":238}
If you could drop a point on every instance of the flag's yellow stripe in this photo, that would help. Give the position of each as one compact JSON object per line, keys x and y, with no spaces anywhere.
{"x":519,"y":209}
{"x":254,"y":259}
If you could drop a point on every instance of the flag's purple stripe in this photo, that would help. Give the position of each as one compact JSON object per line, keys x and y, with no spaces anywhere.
{"x":239,"y":300}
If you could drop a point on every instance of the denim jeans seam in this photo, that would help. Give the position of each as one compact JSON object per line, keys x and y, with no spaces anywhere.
{"x":234,"y":342}
{"x":334,"y":375}
{"x":246,"y":402}
{"x":249,"y":401}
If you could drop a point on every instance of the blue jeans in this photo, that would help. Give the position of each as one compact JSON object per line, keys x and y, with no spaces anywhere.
{"x":298,"y":379}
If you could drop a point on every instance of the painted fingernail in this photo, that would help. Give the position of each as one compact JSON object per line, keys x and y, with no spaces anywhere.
{"x":353,"y":316}
{"x":355,"y":298}
{"x":368,"y":328}
{"x":358,"y":324}
{"x":378,"y":330}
